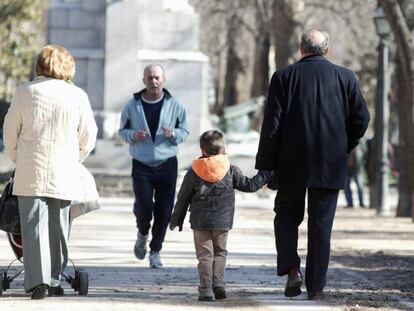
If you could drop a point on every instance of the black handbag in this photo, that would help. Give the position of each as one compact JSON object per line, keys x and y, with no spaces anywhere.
{"x":9,"y":210}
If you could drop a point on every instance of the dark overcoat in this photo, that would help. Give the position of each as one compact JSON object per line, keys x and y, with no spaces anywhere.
{"x":315,"y":114}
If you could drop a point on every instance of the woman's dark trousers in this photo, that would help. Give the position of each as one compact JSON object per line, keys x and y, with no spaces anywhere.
{"x":289,"y":209}
{"x":154,"y":189}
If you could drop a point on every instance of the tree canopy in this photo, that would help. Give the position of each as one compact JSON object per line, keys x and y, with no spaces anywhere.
{"x":20,"y":22}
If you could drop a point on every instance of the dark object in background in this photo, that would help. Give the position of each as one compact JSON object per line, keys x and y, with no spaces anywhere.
{"x":4,"y":107}
{"x":9,"y":210}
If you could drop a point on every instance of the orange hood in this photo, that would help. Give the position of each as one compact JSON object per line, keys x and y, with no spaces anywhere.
{"x":212,"y":169}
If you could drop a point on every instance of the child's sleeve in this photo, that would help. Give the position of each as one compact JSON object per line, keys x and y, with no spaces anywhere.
{"x":246,"y":184}
{"x":183,"y":201}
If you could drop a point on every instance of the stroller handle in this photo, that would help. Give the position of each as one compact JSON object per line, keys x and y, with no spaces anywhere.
{"x":12,"y":239}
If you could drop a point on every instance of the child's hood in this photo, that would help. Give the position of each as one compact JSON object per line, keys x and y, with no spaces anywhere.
{"x":212,"y":169}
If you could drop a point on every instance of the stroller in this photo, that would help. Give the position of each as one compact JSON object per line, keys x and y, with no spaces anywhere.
{"x":89,"y":202}
{"x":79,"y":283}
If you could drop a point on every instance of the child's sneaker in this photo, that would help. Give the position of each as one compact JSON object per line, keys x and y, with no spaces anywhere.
{"x":205,"y":298}
{"x":219,"y":292}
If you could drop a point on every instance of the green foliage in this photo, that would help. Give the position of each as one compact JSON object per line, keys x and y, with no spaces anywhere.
{"x":19,"y":28}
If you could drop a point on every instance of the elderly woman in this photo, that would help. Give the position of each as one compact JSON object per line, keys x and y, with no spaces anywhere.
{"x":48,"y":130}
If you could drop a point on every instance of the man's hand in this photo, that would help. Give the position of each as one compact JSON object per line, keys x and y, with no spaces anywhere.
{"x":168,"y":132}
{"x":140,"y":135}
{"x":172,"y":227}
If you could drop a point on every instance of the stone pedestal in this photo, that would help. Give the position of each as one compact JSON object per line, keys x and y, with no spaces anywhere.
{"x":113,"y":41}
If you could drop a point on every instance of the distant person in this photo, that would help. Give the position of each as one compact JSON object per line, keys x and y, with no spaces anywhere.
{"x":153,"y":123}
{"x":355,"y":172}
{"x":315,"y":114}
{"x":208,"y":189}
{"x":48,"y":130}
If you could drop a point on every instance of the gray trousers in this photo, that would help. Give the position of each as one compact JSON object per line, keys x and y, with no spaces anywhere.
{"x":44,"y":226}
{"x":210,"y":246}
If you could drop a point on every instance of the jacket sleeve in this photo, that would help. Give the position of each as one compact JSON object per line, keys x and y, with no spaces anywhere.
{"x":125,"y":131}
{"x":358,"y":118}
{"x":266,"y":155}
{"x":246,"y":184}
{"x":87,"y":130}
{"x":183,"y":200}
{"x":180,"y":131}
{"x":12,"y":126}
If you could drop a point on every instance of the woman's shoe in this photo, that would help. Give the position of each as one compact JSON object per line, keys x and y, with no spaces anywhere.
{"x":39,"y":291}
{"x":56,"y":291}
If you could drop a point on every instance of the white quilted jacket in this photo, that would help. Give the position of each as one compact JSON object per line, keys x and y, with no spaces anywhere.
{"x":48,"y":130}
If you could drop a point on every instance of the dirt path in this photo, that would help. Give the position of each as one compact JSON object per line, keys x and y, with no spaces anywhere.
{"x":371,"y":265}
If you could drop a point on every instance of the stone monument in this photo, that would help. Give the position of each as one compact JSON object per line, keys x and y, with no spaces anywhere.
{"x":112,"y":41}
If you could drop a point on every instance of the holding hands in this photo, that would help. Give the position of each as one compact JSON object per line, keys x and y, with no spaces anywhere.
{"x":172,"y":227}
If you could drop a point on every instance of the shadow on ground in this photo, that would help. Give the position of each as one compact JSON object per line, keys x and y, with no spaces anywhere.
{"x":360,"y":282}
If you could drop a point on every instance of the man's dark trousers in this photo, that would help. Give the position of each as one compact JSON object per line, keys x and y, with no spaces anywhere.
{"x":154,"y":189}
{"x":289,"y":209}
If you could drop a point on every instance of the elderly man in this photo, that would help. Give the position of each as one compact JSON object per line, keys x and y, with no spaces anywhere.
{"x":315,"y":114}
{"x":153,"y":123}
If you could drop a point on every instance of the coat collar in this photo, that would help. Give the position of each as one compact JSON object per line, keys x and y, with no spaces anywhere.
{"x":44,"y":78}
{"x":137,"y":96}
{"x":312,"y":58}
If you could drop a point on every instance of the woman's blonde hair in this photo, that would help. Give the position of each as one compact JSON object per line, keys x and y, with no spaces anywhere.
{"x":56,"y":62}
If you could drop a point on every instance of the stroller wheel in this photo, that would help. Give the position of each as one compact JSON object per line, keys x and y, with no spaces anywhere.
{"x":83,"y":281}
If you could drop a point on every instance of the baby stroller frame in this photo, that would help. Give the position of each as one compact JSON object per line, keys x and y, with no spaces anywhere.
{"x":79,"y":283}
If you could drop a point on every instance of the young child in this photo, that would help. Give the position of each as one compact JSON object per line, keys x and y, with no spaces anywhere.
{"x":208,"y":187}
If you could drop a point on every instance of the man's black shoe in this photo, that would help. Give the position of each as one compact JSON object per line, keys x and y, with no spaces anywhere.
{"x":293,"y":283}
{"x":316,"y":295}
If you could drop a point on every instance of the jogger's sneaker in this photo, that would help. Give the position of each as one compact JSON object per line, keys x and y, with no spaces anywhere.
{"x":140,"y":248}
{"x":155,"y":260}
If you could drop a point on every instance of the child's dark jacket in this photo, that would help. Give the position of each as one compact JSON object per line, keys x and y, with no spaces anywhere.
{"x":208,"y":187}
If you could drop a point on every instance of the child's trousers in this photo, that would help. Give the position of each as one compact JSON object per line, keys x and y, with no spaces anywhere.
{"x":211,"y":253}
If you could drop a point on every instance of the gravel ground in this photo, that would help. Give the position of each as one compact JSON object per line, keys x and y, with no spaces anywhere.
{"x":371,"y":266}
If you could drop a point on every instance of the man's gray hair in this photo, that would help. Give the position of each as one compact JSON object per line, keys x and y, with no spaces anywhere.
{"x":315,"y":42}
{"x":148,"y":67}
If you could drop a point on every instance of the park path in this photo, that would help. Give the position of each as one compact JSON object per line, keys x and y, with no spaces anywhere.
{"x":371,"y":265}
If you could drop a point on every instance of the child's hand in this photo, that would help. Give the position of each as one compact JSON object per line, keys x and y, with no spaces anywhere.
{"x":271,"y":181}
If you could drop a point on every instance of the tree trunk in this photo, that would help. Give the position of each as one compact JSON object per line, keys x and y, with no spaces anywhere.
{"x":260,"y":82}
{"x":404,"y":191}
{"x":287,"y":28}
{"x":234,"y":66}
{"x":405,"y":44}
{"x":373,"y":153}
